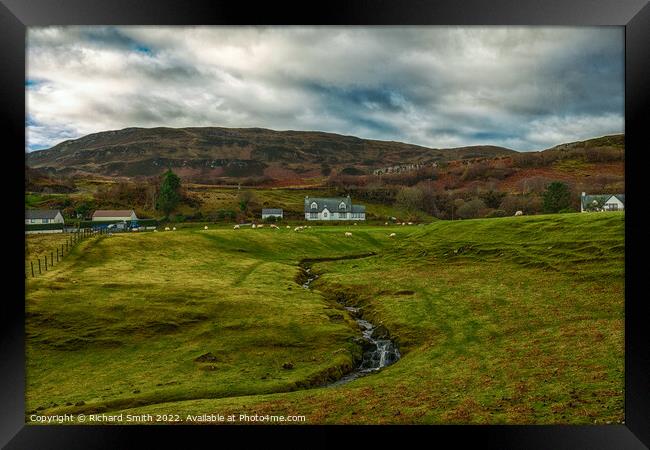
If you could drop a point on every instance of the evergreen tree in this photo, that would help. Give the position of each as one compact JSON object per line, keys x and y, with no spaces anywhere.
{"x":169,"y":195}
{"x":557,"y":197}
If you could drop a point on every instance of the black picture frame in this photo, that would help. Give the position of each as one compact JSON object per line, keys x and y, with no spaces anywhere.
{"x":634,"y":15}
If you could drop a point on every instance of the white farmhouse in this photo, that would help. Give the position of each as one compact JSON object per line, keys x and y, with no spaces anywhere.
{"x":333,"y":208}
{"x":102,"y":215}
{"x":41,"y":216}
{"x":272,"y":212}
{"x":606,"y":202}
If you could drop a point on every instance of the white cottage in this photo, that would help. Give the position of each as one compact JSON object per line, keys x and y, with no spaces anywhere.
{"x":606,"y":202}
{"x":333,"y":208}
{"x":272,"y":212}
{"x":42,"y":216}
{"x":102,"y":215}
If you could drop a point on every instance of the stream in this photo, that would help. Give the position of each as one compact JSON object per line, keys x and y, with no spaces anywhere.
{"x":377,"y":352}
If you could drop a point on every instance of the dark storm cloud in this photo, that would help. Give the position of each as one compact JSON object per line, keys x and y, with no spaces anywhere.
{"x":521,"y":87}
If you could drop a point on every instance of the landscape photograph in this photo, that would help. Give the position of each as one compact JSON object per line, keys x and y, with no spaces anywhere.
{"x":323,"y":225}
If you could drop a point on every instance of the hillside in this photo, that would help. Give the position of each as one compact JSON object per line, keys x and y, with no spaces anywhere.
{"x":208,"y":153}
{"x":505,"y":321}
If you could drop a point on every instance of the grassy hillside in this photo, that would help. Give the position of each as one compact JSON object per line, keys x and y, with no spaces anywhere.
{"x":512,"y":320}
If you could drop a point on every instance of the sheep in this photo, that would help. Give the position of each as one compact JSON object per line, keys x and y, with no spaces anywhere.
{"x":174,"y":229}
{"x":288,"y":227}
{"x":273,"y":226}
{"x":385,"y":223}
{"x":392,"y":235}
{"x":403,"y":223}
{"x":236,"y":227}
{"x":519,"y":213}
{"x":166,"y":228}
{"x":410,"y":223}
{"x":253,"y":226}
{"x":348,"y":234}
{"x":205,"y":227}
{"x":260,"y":225}
{"x":355,"y":223}
{"x":155,"y":231}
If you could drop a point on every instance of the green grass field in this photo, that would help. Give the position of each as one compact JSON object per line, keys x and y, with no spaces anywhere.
{"x":510,"y":320}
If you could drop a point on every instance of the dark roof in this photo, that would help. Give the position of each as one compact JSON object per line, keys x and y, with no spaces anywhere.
{"x":41,"y":213}
{"x":271,"y":211}
{"x":358,"y":209}
{"x":331,"y":203}
{"x":113,"y":213}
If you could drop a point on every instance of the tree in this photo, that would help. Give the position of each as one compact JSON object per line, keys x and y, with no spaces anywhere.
{"x":169,"y":195}
{"x":557,"y":197}
{"x":244,"y":199}
{"x":410,"y":199}
{"x":471,"y":209}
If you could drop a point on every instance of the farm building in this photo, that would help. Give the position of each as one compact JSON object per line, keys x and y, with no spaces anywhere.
{"x":272,"y":212}
{"x":605,"y":202}
{"x":43,"y":216}
{"x":102,"y":215}
{"x":333,"y":208}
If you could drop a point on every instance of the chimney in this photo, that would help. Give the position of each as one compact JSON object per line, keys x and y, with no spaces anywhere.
{"x":584,"y":193}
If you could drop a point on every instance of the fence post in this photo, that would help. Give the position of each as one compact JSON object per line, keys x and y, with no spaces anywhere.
{"x":45,"y":263}
{"x":61,"y":251}
{"x":31,"y":263}
{"x":52,"y":256}
{"x":39,"y":266}
{"x":57,"y":254}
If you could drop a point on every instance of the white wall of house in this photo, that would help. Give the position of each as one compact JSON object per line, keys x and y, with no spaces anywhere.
{"x":127,"y":218}
{"x":327,"y":215}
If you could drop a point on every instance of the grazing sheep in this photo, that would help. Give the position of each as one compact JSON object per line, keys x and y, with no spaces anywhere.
{"x":260,"y":225}
{"x":392,"y":235}
{"x":519,"y":213}
{"x":205,"y":227}
{"x":385,"y":223}
{"x":166,"y":228}
{"x":253,"y":226}
{"x":403,"y":223}
{"x":348,"y":234}
{"x":236,"y":227}
{"x":155,"y":231}
{"x":174,"y":229}
{"x":288,"y":226}
{"x":273,"y":226}
{"x":355,"y":223}
{"x":410,"y":223}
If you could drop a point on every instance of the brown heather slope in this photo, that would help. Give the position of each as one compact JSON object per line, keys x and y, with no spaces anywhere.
{"x":211,"y":152}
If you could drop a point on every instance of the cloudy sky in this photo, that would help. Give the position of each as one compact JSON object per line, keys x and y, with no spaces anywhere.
{"x":525,"y":88}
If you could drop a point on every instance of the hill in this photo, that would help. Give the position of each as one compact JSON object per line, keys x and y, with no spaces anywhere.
{"x":208,"y":153}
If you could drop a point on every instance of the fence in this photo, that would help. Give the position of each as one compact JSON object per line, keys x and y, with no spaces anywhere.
{"x":47,"y":262}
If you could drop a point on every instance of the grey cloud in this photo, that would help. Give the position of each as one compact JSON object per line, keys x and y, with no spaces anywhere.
{"x":434,"y":86}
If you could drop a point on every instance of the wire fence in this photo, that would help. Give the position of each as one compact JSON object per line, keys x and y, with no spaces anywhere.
{"x":47,"y":262}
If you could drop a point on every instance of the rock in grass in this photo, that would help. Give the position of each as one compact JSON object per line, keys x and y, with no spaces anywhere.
{"x":287,"y":365}
{"x":206,"y":357}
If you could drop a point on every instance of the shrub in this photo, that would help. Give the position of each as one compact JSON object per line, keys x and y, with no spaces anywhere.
{"x":471,"y":209}
{"x":497,"y":213}
{"x":557,"y":197}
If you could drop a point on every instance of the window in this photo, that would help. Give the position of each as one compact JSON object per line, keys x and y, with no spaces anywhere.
{"x":325,"y":214}
{"x":342,"y":205}
{"x":45,"y":220}
{"x":314,"y":205}
{"x":343,"y":215}
{"x":612,"y":206}
{"x":313,"y":215}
